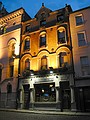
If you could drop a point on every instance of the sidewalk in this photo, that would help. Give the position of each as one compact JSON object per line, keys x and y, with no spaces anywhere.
{"x":47,"y":112}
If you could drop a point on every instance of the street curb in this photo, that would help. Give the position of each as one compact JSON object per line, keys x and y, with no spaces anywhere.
{"x":47,"y":112}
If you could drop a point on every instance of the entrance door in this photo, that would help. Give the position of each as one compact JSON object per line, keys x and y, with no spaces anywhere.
{"x":65,"y":96}
{"x":87,"y":99}
{"x":26,"y":96}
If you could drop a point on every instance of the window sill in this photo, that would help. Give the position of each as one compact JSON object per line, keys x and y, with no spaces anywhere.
{"x":85,"y":46}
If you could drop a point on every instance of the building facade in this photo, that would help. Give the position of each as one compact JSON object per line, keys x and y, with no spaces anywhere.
{"x":79,"y":27}
{"x":44,"y":61}
{"x":10,"y":31}
{"x":46,"y":70}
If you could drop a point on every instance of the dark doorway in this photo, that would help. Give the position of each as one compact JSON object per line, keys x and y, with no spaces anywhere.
{"x":26,"y":96}
{"x":83,"y":99}
{"x":65,"y":96}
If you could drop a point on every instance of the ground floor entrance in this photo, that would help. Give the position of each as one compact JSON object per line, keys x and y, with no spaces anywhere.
{"x":83,"y":98}
{"x":50,"y":92}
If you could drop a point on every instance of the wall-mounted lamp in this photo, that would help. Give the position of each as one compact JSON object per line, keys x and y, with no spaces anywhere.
{"x":51,"y":70}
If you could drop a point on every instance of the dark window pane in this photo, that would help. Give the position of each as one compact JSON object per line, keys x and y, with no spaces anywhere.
{"x":79,"y":20}
{"x":9,"y":88}
{"x":27,"y":45}
{"x":43,"y":40}
{"x":61,"y":37}
{"x":43,"y":23}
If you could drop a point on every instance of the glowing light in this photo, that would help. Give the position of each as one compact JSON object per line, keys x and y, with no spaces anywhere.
{"x":17,"y":49}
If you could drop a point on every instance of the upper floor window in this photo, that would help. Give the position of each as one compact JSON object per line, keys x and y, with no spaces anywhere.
{"x":27,"y":44}
{"x":2,"y":30}
{"x":11,"y":70}
{"x":42,"y":22}
{"x":0,"y":72}
{"x":28,"y":27}
{"x":63,"y":59}
{"x":60,"y":18}
{"x":85,"y":68}
{"x":27,"y":64}
{"x":44,"y":63}
{"x":42,"y":40}
{"x":61,"y":35}
{"x":13,"y":49}
{"x":81,"y":38}
{"x":79,"y":19}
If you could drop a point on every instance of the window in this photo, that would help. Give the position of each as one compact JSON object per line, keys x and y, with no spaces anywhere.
{"x":61,"y":35}
{"x":28,"y":27}
{"x":63,"y":60}
{"x":9,"y":88}
{"x":27,"y":64}
{"x":13,"y":49}
{"x":79,"y":20}
{"x":27,"y":44}
{"x":60,"y":18}
{"x":11,"y":70}
{"x":43,"y":40}
{"x":85,"y":69}
{"x":45,"y":92}
{"x":3,"y":30}
{"x":43,"y":23}
{"x":0,"y":72}
{"x":81,"y":39}
{"x":44,"y":63}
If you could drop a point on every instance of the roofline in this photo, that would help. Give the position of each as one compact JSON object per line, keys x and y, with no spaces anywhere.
{"x":80,"y":9}
{"x":16,"y":10}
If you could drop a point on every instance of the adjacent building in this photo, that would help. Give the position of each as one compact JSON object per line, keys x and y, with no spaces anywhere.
{"x":79,"y":27}
{"x":10,"y":31}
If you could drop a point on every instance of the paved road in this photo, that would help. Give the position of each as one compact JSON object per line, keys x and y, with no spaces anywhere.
{"x":28,"y":116}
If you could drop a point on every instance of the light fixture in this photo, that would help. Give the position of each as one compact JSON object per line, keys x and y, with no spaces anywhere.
{"x":31,"y":72}
{"x":51,"y":70}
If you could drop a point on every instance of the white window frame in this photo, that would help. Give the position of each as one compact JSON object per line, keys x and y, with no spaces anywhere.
{"x":85,"y":68}
{"x":79,"y":22}
{"x":82,"y":42}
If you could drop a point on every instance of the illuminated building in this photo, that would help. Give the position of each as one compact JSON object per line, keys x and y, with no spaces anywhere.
{"x":79,"y":27}
{"x":10,"y":31}
{"x":46,"y":71}
{"x":44,"y":61}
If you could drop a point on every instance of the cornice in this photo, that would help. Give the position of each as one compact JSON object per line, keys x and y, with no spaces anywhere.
{"x":11,"y":16}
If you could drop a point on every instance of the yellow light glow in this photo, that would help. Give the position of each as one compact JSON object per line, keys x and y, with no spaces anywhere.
{"x":16,"y":49}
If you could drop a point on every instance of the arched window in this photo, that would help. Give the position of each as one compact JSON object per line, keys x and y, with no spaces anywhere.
{"x":43,"y":39}
{"x":0,"y":72}
{"x":27,"y":44}
{"x":9,"y":88}
{"x":11,"y":44}
{"x":27,"y":64}
{"x":61,"y":35}
{"x":13,"y":49}
{"x":44,"y":62}
{"x":63,"y":60}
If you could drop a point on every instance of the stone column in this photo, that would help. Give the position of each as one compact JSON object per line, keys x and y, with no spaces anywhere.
{"x":73,"y":102}
{"x":21,"y":99}
{"x":57,"y":98}
{"x":32,"y":98}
